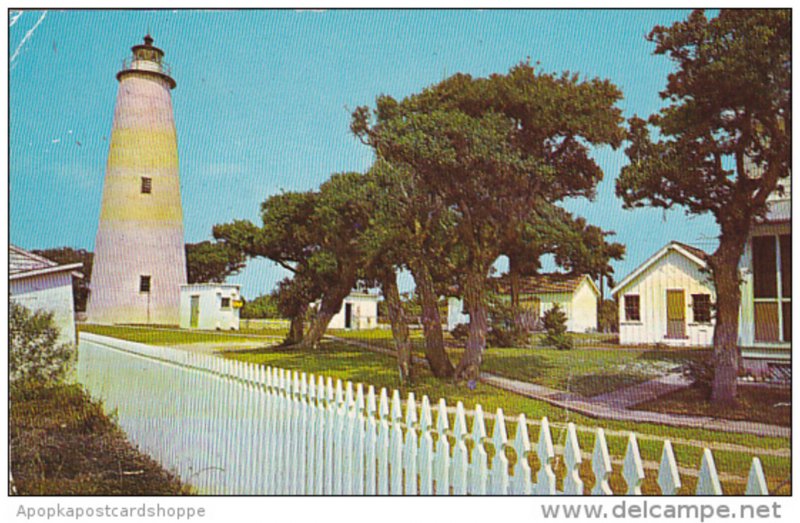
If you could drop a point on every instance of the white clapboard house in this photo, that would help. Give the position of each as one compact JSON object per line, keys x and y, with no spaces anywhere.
{"x":41,"y":284}
{"x":210,"y":306}
{"x":667,"y":299}
{"x":576,"y":295}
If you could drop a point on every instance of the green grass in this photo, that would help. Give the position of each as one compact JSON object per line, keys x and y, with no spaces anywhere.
{"x":171,"y":336}
{"x":588,"y":372}
{"x":348,"y":362}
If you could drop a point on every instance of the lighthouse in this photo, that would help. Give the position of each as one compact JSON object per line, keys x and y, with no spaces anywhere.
{"x":140,"y":258}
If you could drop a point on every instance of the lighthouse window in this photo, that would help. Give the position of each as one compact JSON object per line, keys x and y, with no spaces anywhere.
{"x":147,"y":185}
{"x":144,"y":283}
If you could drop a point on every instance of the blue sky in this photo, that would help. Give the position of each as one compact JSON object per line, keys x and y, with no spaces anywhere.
{"x":262,"y":105}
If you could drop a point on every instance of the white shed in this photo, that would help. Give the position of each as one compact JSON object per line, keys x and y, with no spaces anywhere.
{"x":359,"y":312}
{"x":40,"y":284}
{"x":576,"y":295}
{"x":210,"y":306}
{"x":668,"y":299}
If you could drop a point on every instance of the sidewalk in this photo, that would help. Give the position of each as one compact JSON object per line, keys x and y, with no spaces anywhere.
{"x":614,"y":405}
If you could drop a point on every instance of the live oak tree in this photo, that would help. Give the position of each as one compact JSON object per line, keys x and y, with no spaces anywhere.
{"x":408,"y":229}
{"x":489,"y":149}
{"x":724,"y":145}
{"x":288,"y":238}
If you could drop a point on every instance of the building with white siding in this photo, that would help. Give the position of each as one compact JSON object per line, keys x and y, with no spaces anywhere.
{"x":41,"y":284}
{"x":359,"y":312}
{"x":210,"y":306}
{"x":576,"y":295}
{"x":667,"y":299}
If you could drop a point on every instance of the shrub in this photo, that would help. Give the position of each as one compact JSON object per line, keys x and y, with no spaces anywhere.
{"x":460,"y":332}
{"x":555,"y":324}
{"x":503,"y":329}
{"x":34,"y":356}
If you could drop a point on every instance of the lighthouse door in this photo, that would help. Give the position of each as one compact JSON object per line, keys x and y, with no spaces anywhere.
{"x":194,"y":312}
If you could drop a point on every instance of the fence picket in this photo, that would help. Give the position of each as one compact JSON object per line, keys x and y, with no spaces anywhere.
{"x":756,"y":482}
{"x":601,"y":465}
{"x":708,"y":480}
{"x":668,"y":478}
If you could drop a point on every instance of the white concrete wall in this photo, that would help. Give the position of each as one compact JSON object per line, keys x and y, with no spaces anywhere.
{"x":212,"y":316}
{"x":672,"y":271}
{"x":365,"y":313}
{"x":52,"y":293}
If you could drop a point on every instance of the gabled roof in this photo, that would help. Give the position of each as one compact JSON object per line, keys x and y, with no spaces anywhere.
{"x":697,"y":256}
{"x":22,"y":263}
{"x":549,"y":283}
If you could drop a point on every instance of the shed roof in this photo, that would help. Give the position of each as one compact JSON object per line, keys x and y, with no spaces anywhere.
{"x":548,"y":283}
{"x":22,"y":263}
{"x":697,"y":256}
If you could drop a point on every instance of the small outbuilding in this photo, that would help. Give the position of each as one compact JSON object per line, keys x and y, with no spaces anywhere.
{"x":576,"y":295}
{"x":41,"y":284}
{"x":359,"y":312}
{"x":210,"y":306}
{"x":668,"y":299}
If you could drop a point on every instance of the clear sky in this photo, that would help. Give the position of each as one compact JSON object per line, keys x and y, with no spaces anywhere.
{"x":263,"y":99}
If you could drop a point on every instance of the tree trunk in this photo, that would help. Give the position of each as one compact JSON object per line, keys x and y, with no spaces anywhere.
{"x":431,"y":321}
{"x":330,"y":305}
{"x":397,"y":318}
{"x":475,"y":301}
{"x":724,"y":264}
{"x":295,"y":335}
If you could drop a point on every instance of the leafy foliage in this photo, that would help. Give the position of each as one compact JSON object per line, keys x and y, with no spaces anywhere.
{"x":608,"y":316}
{"x":503,"y":329}
{"x":555,"y":325}
{"x":264,"y":306}
{"x":212,"y":262}
{"x":34,"y":355}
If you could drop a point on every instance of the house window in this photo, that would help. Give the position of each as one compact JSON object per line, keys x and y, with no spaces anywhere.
{"x":701,"y":308}
{"x":144,"y":283}
{"x":226,"y":303}
{"x":147,"y":185}
{"x":632,"y":307}
{"x":772,"y":288}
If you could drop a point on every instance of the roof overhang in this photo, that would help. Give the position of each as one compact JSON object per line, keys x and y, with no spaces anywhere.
{"x":48,"y":270}
{"x":653,"y":259}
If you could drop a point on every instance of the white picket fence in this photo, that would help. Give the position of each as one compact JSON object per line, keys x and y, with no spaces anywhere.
{"x":229,"y":427}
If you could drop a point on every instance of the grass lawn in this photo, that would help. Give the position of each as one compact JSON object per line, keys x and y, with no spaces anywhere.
{"x":754,"y":403}
{"x":174,"y":336}
{"x":348,"y":362}
{"x":588,"y":372}
{"x":61,"y":443}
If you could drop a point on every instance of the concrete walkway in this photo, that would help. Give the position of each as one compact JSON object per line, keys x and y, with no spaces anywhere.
{"x":614,"y":405}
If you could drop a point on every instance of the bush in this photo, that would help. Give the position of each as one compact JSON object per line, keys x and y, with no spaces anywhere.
{"x":555,"y":324}
{"x":503,"y":329}
{"x":34,"y":357}
{"x":460,"y":332}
